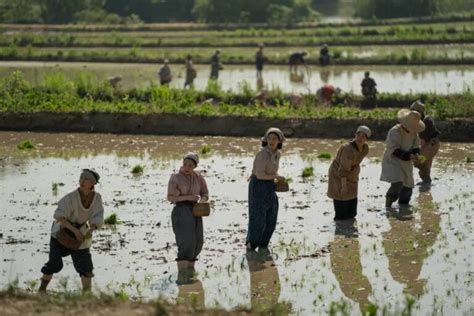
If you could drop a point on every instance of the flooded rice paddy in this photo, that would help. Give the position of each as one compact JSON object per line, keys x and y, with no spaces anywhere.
{"x":425,"y":251}
{"x":392,"y":79}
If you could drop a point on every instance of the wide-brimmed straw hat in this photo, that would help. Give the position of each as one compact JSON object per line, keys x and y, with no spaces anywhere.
{"x":418,"y":106}
{"x":411,"y":120}
{"x":276,"y":131}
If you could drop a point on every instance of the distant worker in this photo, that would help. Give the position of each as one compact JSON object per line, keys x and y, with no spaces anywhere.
{"x":190,"y":72}
{"x":368,"y":86}
{"x":324,"y":55}
{"x":326,"y":92}
{"x":259,"y":61}
{"x":216,"y":64}
{"x":114,"y":81}
{"x":295,"y":60}
{"x":165,"y":73}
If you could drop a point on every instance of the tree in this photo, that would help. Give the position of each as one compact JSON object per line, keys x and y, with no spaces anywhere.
{"x":383,"y":9}
{"x":19,"y":11}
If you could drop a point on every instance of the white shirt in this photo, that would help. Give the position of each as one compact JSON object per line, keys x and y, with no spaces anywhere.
{"x":71,"y":208}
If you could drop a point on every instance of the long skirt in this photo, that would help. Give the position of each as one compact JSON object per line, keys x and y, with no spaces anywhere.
{"x":188,"y":231}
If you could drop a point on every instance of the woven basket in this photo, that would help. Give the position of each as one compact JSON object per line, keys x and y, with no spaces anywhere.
{"x":282,"y":186}
{"x":67,"y":238}
{"x":201,"y":209}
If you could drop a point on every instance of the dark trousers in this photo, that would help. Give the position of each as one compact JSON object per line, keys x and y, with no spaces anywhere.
{"x":81,"y":259}
{"x":263,"y":212}
{"x":188,"y":231}
{"x":399,"y":192}
{"x":345,"y":209}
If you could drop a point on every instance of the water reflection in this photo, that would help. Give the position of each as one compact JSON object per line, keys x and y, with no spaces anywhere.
{"x":391,"y":79}
{"x":264,"y":280}
{"x":346,"y":264}
{"x":413,"y":231}
{"x":191,"y":292}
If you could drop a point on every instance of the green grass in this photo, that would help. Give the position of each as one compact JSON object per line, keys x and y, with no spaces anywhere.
{"x":25,"y":144}
{"x":307,"y":172}
{"x":138,"y":169}
{"x":469,"y":159}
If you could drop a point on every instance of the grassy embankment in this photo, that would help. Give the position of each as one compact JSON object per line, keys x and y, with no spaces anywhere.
{"x":86,"y":94}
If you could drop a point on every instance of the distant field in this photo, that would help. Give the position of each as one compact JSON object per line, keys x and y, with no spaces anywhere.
{"x":456,"y":32}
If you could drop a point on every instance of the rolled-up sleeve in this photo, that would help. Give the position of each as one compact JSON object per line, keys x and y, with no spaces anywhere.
{"x":98,"y":216}
{"x":173,"y":186}
{"x":260,"y":166}
{"x":204,"y":190}
{"x":63,"y":208}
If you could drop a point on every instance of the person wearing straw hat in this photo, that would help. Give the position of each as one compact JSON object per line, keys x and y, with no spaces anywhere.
{"x":80,"y":213}
{"x":429,"y":144}
{"x":263,"y":201}
{"x":165,"y":73}
{"x":402,"y":148}
{"x":344,"y":174}
{"x":185,"y":188}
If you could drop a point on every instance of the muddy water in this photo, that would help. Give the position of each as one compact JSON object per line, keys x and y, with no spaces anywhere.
{"x":426,"y":252}
{"x":393,"y":79}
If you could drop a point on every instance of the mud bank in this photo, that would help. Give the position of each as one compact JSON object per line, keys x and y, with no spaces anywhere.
{"x":456,"y":130}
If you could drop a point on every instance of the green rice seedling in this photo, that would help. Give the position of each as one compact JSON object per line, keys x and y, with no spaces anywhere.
{"x":112,"y":219}
{"x":138,"y":170}
{"x":205,"y":149}
{"x":26,"y":144}
{"x":307,"y":172}
{"x":324,"y":155}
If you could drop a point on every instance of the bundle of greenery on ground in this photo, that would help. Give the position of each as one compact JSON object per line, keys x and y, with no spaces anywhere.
{"x":86,"y":93}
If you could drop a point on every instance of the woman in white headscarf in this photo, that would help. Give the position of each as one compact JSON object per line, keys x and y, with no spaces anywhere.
{"x":263,"y":201}
{"x":402,"y":148}
{"x":78,"y":215}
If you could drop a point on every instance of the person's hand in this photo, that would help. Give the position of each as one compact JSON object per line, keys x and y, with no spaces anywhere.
{"x":280,"y":178}
{"x":88,"y":235}
{"x":78,"y":234}
{"x":194,"y":198}
{"x":204,"y":199}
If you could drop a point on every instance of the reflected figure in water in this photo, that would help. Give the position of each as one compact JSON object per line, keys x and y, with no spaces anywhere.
{"x":259,"y":84}
{"x":413,"y":232}
{"x":346,"y":265}
{"x":259,"y":61}
{"x":264,"y":280}
{"x":191,"y":292}
{"x":324,"y":75}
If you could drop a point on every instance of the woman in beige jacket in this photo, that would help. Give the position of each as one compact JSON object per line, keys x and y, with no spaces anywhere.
{"x":344,"y":174}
